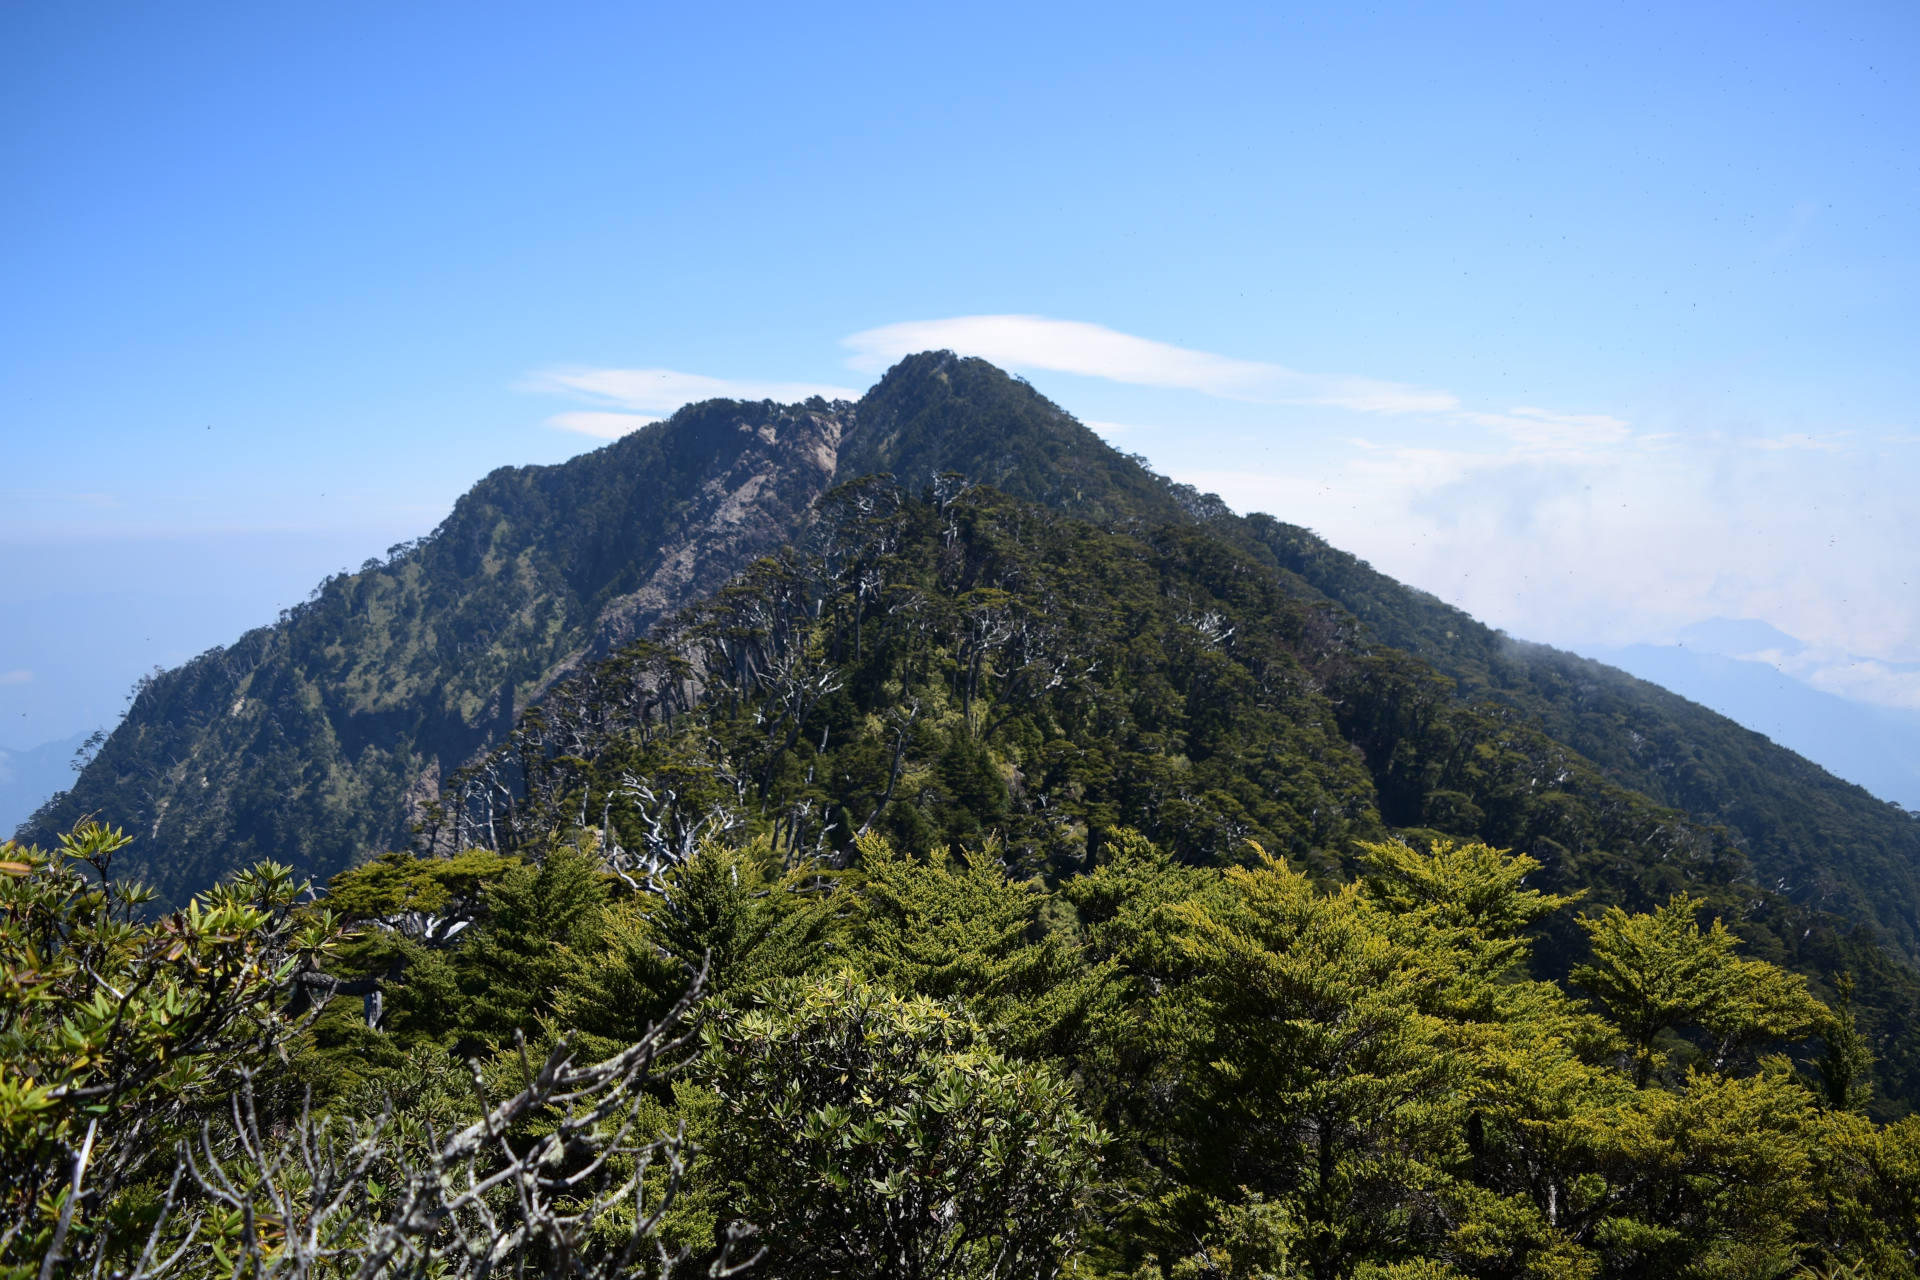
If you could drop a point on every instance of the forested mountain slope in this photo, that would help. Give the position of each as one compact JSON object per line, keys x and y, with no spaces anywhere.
{"x":307,"y":740}
{"x":1821,"y":841}
{"x":962,"y":667}
{"x":969,"y":890}
{"x":313,"y":740}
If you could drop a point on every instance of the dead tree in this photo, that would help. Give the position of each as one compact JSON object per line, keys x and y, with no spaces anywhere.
{"x":579,"y":1195}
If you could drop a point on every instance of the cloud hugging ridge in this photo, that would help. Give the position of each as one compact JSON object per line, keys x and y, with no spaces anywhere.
{"x":1095,"y":351}
{"x":1570,"y":527}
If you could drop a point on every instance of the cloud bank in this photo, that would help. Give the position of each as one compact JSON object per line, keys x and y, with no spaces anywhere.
{"x":1592,"y":537}
{"x":1095,"y":351}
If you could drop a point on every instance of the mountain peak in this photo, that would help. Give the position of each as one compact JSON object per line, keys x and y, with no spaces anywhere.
{"x":936,"y":411}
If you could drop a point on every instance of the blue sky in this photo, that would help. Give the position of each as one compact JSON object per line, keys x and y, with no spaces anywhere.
{"x":1598,"y":321}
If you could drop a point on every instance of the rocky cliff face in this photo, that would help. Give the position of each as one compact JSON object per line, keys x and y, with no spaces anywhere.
{"x":315,"y":739}
{"x":745,"y":507}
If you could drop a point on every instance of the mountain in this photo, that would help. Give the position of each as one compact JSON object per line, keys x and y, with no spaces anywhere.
{"x":325,"y":737}
{"x":1876,"y":747}
{"x":313,"y":740}
{"x":1826,"y":843}
{"x":28,"y":777}
{"x":962,"y":666}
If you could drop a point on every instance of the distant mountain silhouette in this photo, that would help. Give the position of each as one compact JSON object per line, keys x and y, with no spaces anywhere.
{"x":28,"y":778}
{"x":1875,"y":747}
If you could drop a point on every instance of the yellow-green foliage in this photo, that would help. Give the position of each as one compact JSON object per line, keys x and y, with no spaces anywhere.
{"x":118,"y":1031}
{"x":868,"y":1133}
{"x":1661,"y":972}
{"x":911,"y":1057}
{"x":962,"y":928}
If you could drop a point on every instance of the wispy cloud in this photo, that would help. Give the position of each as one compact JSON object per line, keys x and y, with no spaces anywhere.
{"x":1095,"y":351}
{"x":1547,"y":431}
{"x":1564,"y":526}
{"x":604,"y":425}
{"x":664,"y":390}
{"x":19,"y":675}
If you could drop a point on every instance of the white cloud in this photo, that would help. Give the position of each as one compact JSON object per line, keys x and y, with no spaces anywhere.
{"x":19,"y":675}
{"x":1065,"y":346}
{"x":664,"y":390}
{"x":1574,"y":530}
{"x":1095,"y":351}
{"x":1370,"y":395}
{"x":1888,"y":684}
{"x":1547,"y":431}
{"x":607,"y":426}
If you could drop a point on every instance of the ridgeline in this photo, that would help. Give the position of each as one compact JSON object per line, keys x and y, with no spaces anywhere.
{"x":328,"y":737}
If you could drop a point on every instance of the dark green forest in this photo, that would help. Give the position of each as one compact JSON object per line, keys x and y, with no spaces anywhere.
{"x":962,"y":666}
{"x":1057,"y":875}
